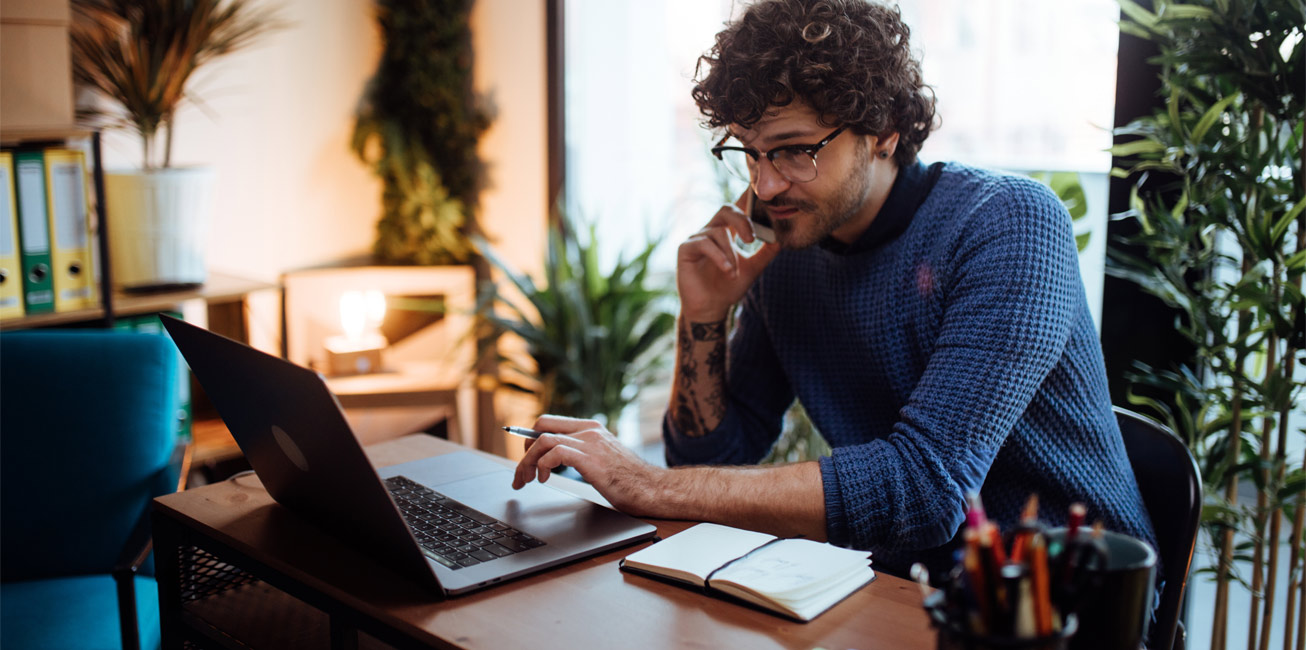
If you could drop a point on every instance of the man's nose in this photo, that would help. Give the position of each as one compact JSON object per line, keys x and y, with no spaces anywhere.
{"x":768,"y":182}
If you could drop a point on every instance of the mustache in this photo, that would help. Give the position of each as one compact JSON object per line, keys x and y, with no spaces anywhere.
{"x":783,"y":201}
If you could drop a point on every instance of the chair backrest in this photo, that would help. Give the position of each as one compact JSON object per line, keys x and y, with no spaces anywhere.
{"x":1171,"y":486}
{"x":88,"y":424}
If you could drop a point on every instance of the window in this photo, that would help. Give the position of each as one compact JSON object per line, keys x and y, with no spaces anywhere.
{"x":1022,"y":85}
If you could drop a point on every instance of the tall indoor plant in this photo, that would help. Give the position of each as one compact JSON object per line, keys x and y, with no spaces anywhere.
{"x":1222,"y":238}
{"x":139,"y":56}
{"x":596,"y":335}
{"x":417,"y":126}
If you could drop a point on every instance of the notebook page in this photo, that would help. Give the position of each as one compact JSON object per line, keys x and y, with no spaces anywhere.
{"x":793,"y":568}
{"x":699,"y":550}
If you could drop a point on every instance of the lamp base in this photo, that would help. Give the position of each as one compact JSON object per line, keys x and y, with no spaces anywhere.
{"x":345,"y":356}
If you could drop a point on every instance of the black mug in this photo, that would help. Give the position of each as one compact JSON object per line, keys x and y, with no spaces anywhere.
{"x":1115,"y":607}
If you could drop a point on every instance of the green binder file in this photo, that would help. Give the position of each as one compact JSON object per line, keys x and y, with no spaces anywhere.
{"x":150,"y":323}
{"x":33,"y":232}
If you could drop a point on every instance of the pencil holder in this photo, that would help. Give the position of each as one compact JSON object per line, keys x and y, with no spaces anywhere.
{"x":1116,"y":605}
{"x":953,"y":634}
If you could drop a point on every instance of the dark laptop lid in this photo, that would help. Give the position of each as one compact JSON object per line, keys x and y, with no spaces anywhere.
{"x":296,"y":438}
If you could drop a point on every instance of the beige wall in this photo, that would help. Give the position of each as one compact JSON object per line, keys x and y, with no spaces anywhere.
{"x":276,"y":121}
{"x":508,"y":37}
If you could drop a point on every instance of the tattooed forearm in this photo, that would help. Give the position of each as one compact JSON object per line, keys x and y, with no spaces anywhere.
{"x":686,"y":366}
{"x":716,"y":373}
{"x":698,"y":399}
{"x":709,"y":331}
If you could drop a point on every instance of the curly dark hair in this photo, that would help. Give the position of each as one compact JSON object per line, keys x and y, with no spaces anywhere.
{"x":848,"y":59}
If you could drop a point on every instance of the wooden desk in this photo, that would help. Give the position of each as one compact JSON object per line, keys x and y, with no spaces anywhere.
{"x":232,"y":564}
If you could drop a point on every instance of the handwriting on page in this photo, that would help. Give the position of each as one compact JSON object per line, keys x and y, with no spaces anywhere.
{"x":791,"y":566}
{"x":769,"y":574}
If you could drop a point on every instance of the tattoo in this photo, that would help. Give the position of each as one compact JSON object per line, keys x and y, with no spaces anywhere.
{"x":716,"y":372}
{"x":688,"y":368}
{"x":702,"y":346}
{"x":716,"y":361}
{"x":686,"y":419}
{"x":709,"y":331}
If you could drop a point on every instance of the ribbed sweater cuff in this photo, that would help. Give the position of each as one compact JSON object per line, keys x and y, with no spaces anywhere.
{"x":836,"y":520}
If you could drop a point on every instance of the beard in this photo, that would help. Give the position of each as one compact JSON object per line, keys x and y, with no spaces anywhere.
{"x":821,"y":218}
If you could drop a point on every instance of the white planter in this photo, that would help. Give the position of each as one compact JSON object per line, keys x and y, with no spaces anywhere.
{"x":158,"y":225}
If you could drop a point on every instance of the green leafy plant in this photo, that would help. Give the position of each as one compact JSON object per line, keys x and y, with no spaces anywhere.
{"x":1070,"y":191}
{"x":417,"y":127}
{"x":1223,"y":241}
{"x":596,"y":335}
{"x":141,"y":54}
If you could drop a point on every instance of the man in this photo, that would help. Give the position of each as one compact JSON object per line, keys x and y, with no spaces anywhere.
{"x":931,"y":320}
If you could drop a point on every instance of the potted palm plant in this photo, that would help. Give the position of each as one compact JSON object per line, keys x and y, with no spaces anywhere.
{"x":138,"y":57}
{"x":596,"y":335}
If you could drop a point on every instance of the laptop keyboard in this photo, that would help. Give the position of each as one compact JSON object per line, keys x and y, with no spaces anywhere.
{"x":451,"y":533}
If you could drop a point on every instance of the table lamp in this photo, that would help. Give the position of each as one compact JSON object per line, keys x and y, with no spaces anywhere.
{"x":358,"y":350}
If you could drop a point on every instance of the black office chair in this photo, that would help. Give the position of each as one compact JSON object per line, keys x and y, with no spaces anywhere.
{"x":1171,"y":486}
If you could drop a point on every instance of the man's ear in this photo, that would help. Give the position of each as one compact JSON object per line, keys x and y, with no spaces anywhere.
{"x":886,"y":146}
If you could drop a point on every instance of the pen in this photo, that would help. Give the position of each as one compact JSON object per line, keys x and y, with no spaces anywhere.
{"x":524,"y":432}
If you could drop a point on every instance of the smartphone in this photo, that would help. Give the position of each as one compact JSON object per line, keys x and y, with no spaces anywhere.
{"x":761,"y":222}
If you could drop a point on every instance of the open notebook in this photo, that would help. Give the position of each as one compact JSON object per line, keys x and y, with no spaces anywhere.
{"x":797,"y":578}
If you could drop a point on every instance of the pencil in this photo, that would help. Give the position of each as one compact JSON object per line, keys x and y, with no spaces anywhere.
{"x":978,"y":585}
{"x":1028,"y":524}
{"x":1042,"y":596}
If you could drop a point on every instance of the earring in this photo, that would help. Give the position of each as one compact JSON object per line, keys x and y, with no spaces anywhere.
{"x":884,"y":154}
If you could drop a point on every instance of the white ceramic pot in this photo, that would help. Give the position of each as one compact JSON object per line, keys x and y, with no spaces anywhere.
{"x":158,"y":225}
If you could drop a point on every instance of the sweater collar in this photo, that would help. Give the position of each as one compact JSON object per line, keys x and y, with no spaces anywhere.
{"x":909,"y":190}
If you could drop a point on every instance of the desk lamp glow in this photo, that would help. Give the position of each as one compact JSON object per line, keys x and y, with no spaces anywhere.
{"x":358,"y":351}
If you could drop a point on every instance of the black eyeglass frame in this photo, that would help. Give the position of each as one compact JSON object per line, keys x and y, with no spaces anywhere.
{"x":809,"y":149}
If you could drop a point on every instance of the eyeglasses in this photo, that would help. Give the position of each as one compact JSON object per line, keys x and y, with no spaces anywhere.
{"x":795,"y":162}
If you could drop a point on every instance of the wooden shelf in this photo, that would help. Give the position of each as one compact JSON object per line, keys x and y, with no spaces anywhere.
{"x":17,"y":137}
{"x":212,"y":442}
{"x":218,"y":289}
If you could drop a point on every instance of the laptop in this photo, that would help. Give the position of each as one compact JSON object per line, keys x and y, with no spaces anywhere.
{"x":451,"y":522}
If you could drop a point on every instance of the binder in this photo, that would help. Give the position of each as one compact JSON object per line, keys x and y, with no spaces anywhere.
{"x":33,"y":232}
{"x":11,"y":277}
{"x":70,"y":233}
{"x":150,"y":324}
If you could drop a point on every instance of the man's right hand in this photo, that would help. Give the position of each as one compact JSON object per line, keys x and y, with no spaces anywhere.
{"x":711,"y":276}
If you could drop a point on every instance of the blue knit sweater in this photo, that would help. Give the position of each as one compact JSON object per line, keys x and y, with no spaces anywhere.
{"x":955,"y":356}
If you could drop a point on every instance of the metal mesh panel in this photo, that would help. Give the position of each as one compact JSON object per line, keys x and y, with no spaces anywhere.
{"x":203,"y":574}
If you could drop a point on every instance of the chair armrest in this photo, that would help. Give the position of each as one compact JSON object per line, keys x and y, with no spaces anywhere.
{"x":182,"y":453}
{"x":140,"y":541}
{"x":137,"y":547}
{"x":129,"y":562}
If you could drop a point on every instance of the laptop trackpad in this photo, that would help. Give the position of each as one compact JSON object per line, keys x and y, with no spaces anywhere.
{"x":541,"y":510}
{"x":445,"y":468}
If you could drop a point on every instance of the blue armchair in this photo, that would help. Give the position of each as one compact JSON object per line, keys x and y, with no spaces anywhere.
{"x":88,"y":436}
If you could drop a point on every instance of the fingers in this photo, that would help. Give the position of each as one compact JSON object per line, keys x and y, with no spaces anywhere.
{"x":563,"y":424}
{"x":753,"y":264}
{"x":713,"y":245}
{"x":558,"y":456}
{"x":527,"y":467}
{"x":734,"y":218}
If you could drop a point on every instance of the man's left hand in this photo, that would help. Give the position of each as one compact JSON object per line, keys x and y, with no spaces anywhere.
{"x":624,"y":479}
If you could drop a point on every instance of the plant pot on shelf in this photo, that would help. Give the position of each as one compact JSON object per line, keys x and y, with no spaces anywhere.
{"x":158,"y":226}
